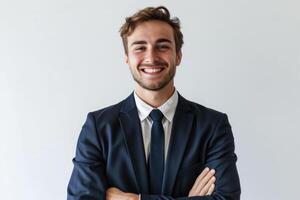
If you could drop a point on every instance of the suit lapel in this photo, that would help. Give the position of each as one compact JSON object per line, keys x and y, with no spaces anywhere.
{"x":131,"y":126}
{"x":182,"y":124}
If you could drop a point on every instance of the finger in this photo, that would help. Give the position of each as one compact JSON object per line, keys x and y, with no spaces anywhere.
{"x":211,"y":189}
{"x":108,"y":196}
{"x":201,"y":181}
{"x":113,"y":196}
{"x":199,"y":178}
{"x":112,"y":193}
{"x":207,"y":186}
{"x":116,"y":190}
{"x":204,"y":181}
{"x":111,"y":189}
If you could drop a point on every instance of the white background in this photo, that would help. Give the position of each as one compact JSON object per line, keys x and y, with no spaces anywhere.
{"x":60,"y":59}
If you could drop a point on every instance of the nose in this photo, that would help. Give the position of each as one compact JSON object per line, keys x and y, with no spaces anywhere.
{"x":151,"y":56}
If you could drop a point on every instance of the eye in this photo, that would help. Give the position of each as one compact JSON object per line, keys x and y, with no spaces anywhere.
{"x":139,"y":48}
{"x":163,"y":47}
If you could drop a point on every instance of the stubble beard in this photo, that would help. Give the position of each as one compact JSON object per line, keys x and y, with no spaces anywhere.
{"x":155,"y":86}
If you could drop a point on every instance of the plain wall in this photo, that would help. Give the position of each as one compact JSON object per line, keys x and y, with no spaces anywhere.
{"x":60,"y":59}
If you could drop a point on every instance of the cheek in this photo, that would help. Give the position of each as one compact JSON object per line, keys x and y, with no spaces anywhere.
{"x":134,"y":59}
{"x":170,"y":59}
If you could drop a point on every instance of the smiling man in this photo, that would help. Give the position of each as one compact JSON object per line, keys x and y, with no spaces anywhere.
{"x":155,"y":144}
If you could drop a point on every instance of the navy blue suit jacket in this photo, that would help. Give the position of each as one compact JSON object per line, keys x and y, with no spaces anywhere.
{"x":110,"y":153}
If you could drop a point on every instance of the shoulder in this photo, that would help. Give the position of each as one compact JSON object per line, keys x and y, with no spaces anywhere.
{"x":202,"y":112}
{"x":108,"y":114}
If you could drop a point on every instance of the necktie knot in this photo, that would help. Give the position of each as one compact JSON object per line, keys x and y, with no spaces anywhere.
{"x":156,"y":115}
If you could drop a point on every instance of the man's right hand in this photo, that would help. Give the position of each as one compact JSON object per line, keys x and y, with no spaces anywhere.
{"x":204,"y":184}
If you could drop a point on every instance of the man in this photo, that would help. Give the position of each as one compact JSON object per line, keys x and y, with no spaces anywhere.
{"x":154,"y":144}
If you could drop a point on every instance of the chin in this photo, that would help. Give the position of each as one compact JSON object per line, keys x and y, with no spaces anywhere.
{"x":154,"y":87}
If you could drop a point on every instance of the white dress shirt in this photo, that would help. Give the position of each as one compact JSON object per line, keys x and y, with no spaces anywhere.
{"x":168,"y":110}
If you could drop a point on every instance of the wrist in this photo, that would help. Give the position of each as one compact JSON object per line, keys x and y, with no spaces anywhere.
{"x":135,"y":197}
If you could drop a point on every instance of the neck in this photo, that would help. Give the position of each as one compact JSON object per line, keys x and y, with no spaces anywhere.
{"x":155,"y":98}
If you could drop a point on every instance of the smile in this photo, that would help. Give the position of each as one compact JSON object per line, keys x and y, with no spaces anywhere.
{"x":152,"y":70}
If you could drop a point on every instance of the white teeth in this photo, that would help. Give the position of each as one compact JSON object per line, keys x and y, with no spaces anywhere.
{"x":152,"y":70}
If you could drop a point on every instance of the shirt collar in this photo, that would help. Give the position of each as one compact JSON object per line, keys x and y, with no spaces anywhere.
{"x":168,"y":108}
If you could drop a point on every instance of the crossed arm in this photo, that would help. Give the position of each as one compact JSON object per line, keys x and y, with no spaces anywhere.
{"x":204,"y":185}
{"x":88,"y":180}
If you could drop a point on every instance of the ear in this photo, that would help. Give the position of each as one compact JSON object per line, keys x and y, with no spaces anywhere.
{"x":178,"y":58}
{"x":126,"y":59}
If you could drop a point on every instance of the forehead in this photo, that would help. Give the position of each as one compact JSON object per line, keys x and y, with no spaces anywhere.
{"x":151,"y":31}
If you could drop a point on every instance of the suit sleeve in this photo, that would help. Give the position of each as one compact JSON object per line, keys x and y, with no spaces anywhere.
{"x":221,"y":157}
{"x":88,"y":179}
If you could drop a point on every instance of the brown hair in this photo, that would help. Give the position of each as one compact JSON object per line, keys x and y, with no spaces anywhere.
{"x":160,"y":13}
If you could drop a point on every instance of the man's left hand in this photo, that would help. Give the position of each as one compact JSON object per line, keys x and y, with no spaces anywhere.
{"x":116,"y":194}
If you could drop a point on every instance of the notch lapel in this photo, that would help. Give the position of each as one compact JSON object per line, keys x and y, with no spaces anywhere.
{"x":182,"y":124}
{"x":131,"y":126}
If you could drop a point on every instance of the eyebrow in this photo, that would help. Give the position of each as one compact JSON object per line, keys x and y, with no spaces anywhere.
{"x":164,"y":40}
{"x":144,"y":42}
{"x":138,"y":42}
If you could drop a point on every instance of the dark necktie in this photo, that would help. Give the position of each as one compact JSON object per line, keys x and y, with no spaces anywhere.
{"x":156,"y":157}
